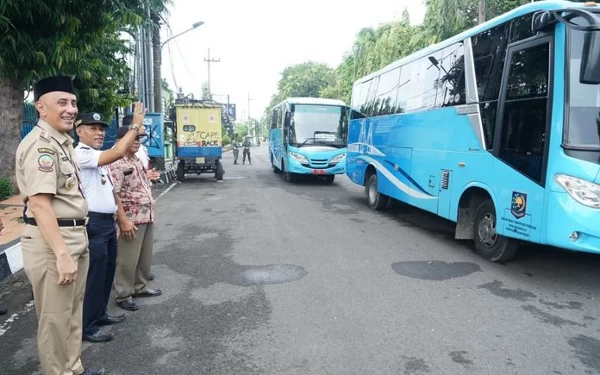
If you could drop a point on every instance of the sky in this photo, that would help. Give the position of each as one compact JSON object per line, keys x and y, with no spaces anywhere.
{"x":256,"y":40}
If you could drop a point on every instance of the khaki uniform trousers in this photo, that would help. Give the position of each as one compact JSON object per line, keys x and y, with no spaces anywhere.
{"x":59,"y":308}
{"x":134,"y":259}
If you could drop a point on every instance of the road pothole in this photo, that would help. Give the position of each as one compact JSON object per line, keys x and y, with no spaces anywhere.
{"x":269,"y":274}
{"x":435,"y":270}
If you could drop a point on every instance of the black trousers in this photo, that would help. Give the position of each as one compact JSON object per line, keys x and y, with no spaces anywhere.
{"x":103,"y":262}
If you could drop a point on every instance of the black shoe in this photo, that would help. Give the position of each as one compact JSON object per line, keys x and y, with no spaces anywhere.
{"x":93,"y":371}
{"x":128,"y":305}
{"x":3,"y":311}
{"x":112,"y":319}
{"x":151,"y":277}
{"x":98,"y":337}
{"x":148,"y":293}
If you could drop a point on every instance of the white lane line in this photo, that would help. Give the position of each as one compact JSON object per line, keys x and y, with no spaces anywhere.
{"x":14,"y":317}
{"x":166,"y":191}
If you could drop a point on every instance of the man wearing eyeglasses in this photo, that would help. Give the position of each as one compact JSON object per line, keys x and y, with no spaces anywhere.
{"x":101,"y":229}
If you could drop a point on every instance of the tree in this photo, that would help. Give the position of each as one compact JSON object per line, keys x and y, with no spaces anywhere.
{"x":303,"y":80}
{"x":43,"y":37}
{"x":206,"y":95}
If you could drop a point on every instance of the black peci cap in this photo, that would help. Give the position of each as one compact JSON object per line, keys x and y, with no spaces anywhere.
{"x":91,"y":118}
{"x":50,"y":84}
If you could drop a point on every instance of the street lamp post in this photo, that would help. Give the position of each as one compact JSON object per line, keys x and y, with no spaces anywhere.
{"x":157,"y":46}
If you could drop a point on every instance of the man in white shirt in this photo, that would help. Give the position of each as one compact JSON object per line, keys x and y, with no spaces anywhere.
{"x":101,"y":229}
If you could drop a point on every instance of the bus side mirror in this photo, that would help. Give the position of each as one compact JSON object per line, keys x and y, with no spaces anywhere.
{"x":590,"y":59}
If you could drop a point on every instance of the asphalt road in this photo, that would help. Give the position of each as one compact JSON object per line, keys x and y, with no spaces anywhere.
{"x":264,"y":277}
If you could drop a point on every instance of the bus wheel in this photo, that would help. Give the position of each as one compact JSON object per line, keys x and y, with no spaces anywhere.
{"x":219,"y":171}
{"x":180,"y":172}
{"x":289,"y":177}
{"x":330,"y":178}
{"x":375,"y":199}
{"x":488,"y":242}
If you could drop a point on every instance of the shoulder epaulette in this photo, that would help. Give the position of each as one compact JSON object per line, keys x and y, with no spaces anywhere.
{"x":45,"y":136}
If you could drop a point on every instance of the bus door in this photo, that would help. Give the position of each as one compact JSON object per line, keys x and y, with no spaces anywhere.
{"x":521,"y":140}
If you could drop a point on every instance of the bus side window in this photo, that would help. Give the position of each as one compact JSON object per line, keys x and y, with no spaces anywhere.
{"x":386,"y":92}
{"x":489,"y":51}
{"x":451,"y":84}
{"x":523,"y":136}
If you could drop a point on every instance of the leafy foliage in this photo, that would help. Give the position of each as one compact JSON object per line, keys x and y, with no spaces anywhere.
{"x":6,"y":188}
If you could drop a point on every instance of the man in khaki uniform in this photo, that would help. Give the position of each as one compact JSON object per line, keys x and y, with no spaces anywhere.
{"x":54,"y":241}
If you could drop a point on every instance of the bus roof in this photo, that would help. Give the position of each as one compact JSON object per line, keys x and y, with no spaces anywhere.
{"x":306,"y":100}
{"x":517,"y":12}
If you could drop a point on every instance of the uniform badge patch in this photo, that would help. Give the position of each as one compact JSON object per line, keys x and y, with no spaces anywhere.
{"x":46,"y":163}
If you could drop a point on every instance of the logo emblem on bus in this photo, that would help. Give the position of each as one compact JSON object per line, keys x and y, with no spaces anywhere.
{"x":518,"y":205}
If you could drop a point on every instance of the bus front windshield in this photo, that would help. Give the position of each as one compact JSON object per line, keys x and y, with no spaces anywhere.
{"x":318,"y":125}
{"x":584,"y":101}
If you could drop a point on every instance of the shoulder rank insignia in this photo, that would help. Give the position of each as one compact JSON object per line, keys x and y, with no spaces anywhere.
{"x":44,"y":135}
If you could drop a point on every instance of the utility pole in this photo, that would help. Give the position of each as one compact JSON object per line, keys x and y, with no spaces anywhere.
{"x":157,"y":55}
{"x":209,"y":60}
{"x":148,"y":69}
{"x":250,"y":127}
{"x":249,"y":98}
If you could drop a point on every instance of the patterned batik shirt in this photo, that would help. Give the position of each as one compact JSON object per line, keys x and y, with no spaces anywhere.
{"x":133,"y":187}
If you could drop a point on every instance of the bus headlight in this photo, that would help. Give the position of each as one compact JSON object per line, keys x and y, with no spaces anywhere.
{"x":338,"y":158}
{"x":584,"y":192}
{"x":301,"y":158}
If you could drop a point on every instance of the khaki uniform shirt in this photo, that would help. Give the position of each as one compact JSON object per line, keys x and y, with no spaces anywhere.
{"x":46,"y":164}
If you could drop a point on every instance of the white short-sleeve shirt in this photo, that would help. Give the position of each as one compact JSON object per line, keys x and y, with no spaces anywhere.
{"x":98,"y":194}
{"x":142,"y":154}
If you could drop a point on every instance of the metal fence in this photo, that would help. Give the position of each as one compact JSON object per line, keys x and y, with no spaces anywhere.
{"x":30,"y":118}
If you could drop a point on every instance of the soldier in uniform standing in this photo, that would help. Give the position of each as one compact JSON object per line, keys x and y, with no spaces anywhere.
{"x":54,"y":241}
{"x":246,"y":146}
{"x":101,"y":229}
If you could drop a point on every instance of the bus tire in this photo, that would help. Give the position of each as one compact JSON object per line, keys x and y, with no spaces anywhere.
{"x":488,"y":242}
{"x":375,"y":199}
{"x":180,"y":172}
{"x":289,"y":177}
{"x":330,"y":178}
{"x":219,"y":170}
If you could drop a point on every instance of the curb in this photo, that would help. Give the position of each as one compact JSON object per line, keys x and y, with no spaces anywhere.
{"x":11,"y":260}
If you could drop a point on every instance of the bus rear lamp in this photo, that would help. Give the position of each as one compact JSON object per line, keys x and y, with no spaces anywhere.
{"x":590,"y":4}
{"x":584,"y":192}
{"x":574,"y":236}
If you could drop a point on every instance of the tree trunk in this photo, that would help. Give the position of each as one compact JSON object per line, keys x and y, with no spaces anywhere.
{"x":11,"y":122}
{"x":481,"y":12}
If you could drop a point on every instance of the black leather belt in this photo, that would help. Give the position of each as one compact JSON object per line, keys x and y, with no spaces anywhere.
{"x":101,"y":215}
{"x":62,"y":222}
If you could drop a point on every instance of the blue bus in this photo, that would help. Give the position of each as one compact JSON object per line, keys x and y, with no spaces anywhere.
{"x":308,"y":137}
{"x":496,"y":129}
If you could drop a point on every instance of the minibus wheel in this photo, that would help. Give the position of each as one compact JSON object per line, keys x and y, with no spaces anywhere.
{"x":375,"y":199}
{"x":488,"y":242}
